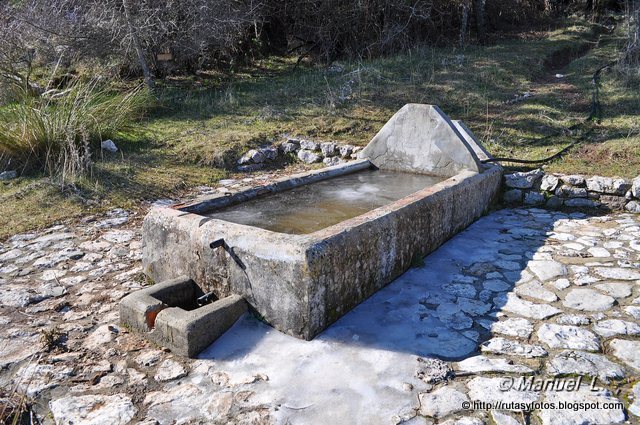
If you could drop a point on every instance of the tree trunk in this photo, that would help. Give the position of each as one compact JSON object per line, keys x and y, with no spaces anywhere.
{"x":480,"y":21}
{"x":464,"y":24}
{"x":148,"y":78}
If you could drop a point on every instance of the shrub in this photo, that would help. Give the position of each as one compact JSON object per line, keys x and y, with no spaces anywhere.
{"x":58,"y":131}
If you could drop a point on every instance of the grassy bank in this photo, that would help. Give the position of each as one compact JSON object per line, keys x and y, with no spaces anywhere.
{"x":202,"y":124}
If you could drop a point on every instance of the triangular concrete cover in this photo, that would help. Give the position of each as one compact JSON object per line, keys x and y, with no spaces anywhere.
{"x":421,"y":139}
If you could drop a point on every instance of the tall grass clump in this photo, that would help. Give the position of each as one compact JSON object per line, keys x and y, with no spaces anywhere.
{"x":59,"y":131}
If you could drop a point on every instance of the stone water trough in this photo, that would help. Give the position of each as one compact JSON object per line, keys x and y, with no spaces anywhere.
{"x":304,"y":250}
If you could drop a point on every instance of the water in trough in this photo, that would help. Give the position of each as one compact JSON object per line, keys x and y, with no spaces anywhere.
{"x":306,"y":209}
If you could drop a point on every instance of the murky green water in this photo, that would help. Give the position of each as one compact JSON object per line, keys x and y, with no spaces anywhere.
{"x":312,"y":207}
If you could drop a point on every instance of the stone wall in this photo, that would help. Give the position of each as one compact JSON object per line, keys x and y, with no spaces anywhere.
{"x":307,"y":151}
{"x":571,"y":191}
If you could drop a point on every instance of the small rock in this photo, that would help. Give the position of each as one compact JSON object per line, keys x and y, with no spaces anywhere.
{"x":328,"y":148}
{"x":566,"y":191}
{"x":514,"y":304}
{"x":512,"y":348}
{"x":481,"y":364}
{"x":522,"y":180}
{"x":460,"y":289}
{"x":331,"y":161}
{"x":549,"y":183}
{"x":618,"y":273}
{"x":309,"y":145}
{"x":473,"y":307}
{"x":580,"y":203}
{"x":118,"y":236}
{"x":563,"y":336}
{"x":100,"y":337}
{"x":148,"y":357}
{"x":169,"y":370}
{"x":533,"y":198}
{"x":535,"y":290}
{"x":513,"y":196}
{"x":635,"y":187}
{"x":93,"y":409}
{"x":289,"y":147}
{"x":308,"y":156}
{"x":561,"y":284}
{"x":572,"y":362}
{"x":571,"y":415}
{"x":615,"y":289}
{"x":496,"y":285}
{"x":554,"y":202}
{"x":598,"y":252}
{"x":442,"y":402}
{"x":432,"y":370}
{"x":573,"y":319}
{"x":109,"y":146}
{"x":250,"y":168}
{"x":635,"y":407}
{"x":503,"y":419}
{"x":8,"y":175}
{"x":547,"y":269}
{"x":573,"y":180}
{"x":588,"y":300}
{"x":490,"y":390}
{"x":345,"y":151}
{"x":613,"y":327}
{"x":633,"y":207}
{"x":627,"y":351}
{"x":513,"y":327}
{"x":608,"y":185}
{"x":269,"y":153}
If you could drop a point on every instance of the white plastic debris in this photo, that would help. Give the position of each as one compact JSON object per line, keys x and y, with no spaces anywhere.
{"x":109,"y":146}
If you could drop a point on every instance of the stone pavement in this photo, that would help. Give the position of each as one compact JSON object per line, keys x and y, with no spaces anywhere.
{"x":519,"y":298}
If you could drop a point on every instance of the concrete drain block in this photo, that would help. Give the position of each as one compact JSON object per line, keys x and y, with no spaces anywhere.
{"x":168,"y":313}
{"x":305,"y":249}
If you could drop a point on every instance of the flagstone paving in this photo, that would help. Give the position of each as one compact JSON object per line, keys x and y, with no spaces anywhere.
{"x":520,"y":297}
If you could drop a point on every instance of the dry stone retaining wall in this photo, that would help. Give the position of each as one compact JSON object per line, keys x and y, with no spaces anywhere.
{"x":307,"y":151}
{"x":572,"y":191}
